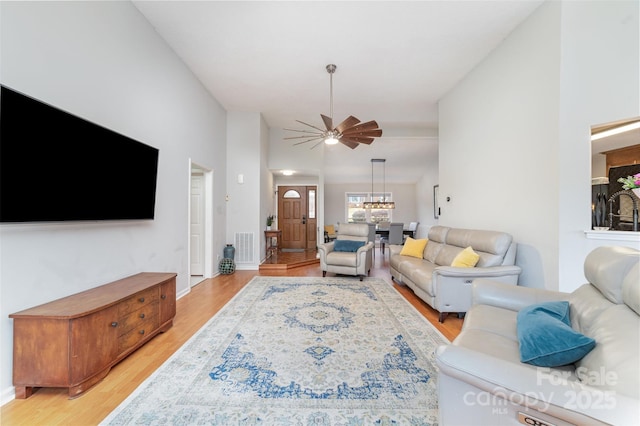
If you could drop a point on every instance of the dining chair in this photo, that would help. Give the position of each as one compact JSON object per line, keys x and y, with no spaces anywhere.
{"x":395,"y":235}
{"x":384,"y":225}
{"x":413,"y":227}
{"x":329,"y":233}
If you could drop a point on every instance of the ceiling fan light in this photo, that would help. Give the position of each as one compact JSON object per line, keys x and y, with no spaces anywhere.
{"x":331,"y":140}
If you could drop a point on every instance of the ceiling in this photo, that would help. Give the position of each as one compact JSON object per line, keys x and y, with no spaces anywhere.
{"x":394,"y":59}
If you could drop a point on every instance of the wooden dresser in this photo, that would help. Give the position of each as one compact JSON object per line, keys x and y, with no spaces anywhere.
{"x":73,"y":342}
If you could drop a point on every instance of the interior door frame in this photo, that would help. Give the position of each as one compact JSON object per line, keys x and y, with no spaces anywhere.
{"x":207,"y":220}
{"x":310,"y":225}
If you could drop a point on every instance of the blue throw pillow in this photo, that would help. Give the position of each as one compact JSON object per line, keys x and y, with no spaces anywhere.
{"x":347,"y":245}
{"x":546,"y":337}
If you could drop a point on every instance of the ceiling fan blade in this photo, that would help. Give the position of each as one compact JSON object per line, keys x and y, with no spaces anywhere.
{"x":327,"y":122}
{"x":365,"y":133}
{"x":350,"y":144}
{"x":308,"y":140}
{"x":369,"y":125}
{"x":304,"y":131}
{"x":310,"y":125}
{"x":347,"y":123}
{"x":357,"y":139}
{"x":311,"y":135}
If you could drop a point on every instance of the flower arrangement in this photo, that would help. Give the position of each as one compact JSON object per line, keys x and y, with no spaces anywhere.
{"x":630,"y":182}
{"x":270,"y":219}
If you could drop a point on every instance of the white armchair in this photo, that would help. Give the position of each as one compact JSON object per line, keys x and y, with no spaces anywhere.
{"x":353,"y":254}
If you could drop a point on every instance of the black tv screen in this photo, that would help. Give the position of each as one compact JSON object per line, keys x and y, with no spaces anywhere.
{"x":55,"y":166}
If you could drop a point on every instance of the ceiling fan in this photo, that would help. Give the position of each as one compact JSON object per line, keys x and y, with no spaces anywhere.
{"x":350,"y":132}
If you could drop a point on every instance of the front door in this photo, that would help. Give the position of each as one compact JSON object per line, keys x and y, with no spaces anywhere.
{"x":296,"y":219}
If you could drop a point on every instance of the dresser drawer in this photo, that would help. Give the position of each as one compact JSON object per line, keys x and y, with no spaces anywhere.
{"x":135,"y":318}
{"x":137,"y":334}
{"x":137,"y":301}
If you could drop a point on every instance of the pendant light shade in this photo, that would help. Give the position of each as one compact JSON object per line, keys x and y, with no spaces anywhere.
{"x":382,"y":204}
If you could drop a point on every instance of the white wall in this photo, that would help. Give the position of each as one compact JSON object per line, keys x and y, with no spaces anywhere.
{"x":102,"y":61}
{"x":267,"y":194}
{"x":514,"y":134}
{"x":424,"y":198}
{"x":283,"y":155}
{"x":600,"y":82}
{"x":244,"y":156}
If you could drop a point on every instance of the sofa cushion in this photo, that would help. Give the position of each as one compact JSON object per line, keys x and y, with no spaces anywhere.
{"x":586,"y":304}
{"x":342,"y":258}
{"x":467,"y":258}
{"x":347,"y":245}
{"x":606,"y":268}
{"x":493,"y":319}
{"x":413,"y":247}
{"x":492,"y":246}
{"x":615,"y":361}
{"x":419,"y":272}
{"x":446,"y":254}
{"x":546,"y":337}
{"x":631,"y":289}
{"x":437,"y":236}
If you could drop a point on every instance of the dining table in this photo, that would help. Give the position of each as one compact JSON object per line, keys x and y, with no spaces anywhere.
{"x":384,"y":232}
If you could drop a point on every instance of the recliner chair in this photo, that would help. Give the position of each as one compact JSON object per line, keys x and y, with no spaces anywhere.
{"x":356,"y":262}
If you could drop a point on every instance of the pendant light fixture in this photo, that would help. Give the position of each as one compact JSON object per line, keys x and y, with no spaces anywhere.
{"x":382,"y":204}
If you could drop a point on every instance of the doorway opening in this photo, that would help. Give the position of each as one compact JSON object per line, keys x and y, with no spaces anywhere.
{"x":200,"y":212}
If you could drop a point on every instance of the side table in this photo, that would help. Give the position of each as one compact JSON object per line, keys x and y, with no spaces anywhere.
{"x":270,"y":237}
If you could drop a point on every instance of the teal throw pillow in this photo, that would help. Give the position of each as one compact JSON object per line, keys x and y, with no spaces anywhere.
{"x":347,"y":245}
{"x":546,"y":337}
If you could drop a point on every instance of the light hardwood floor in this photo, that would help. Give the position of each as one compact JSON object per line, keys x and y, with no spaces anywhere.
{"x":50,"y":406}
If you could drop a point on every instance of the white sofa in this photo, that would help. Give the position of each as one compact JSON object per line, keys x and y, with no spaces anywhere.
{"x":481,"y":380}
{"x":447,"y":288}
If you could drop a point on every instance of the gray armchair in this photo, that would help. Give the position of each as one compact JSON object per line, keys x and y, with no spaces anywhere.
{"x":356,"y":262}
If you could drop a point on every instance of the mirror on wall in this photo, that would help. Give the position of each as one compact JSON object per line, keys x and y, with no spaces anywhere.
{"x":615,"y":152}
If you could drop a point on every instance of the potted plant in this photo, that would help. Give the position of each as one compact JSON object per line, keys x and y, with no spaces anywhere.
{"x":270,"y":219}
{"x":631,"y":183}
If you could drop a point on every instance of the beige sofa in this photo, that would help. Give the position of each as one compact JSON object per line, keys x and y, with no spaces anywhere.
{"x":482,"y":381}
{"x":446,"y":288}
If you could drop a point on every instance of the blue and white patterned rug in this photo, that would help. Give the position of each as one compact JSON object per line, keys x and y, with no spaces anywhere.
{"x":298,"y":351}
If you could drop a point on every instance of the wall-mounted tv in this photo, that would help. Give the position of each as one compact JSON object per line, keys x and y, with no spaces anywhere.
{"x":56,"y":166}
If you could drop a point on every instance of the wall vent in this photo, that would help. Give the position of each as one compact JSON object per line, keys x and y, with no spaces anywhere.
{"x":244,"y":247}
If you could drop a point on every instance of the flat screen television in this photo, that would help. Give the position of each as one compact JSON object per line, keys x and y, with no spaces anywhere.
{"x":56,"y":166}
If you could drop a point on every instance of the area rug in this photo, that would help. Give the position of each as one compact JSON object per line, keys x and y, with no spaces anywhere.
{"x":298,"y":351}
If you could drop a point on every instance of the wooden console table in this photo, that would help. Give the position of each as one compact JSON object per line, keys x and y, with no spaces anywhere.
{"x":269,"y":236}
{"x":73,"y":342}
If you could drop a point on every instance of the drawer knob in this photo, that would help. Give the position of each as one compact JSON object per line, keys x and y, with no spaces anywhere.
{"x":164,"y":296}
{"x":114,"y":324}
{"x":141,"y":315}
{"x":141,"y":300}
{"x":141,"y":331}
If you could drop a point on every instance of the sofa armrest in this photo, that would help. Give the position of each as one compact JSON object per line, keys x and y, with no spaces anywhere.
{"x":394,"y":249}
{"x":544,"y":389}
{"x":493,"y":271}
{"x":326,"y":247}
{"x":514,"y":298}
{"x":363,"y":252}
{"x":364,"y":248}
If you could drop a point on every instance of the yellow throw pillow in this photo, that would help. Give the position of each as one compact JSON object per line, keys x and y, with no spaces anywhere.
{"x":467,"y":258}
{"x":413,"y":247}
